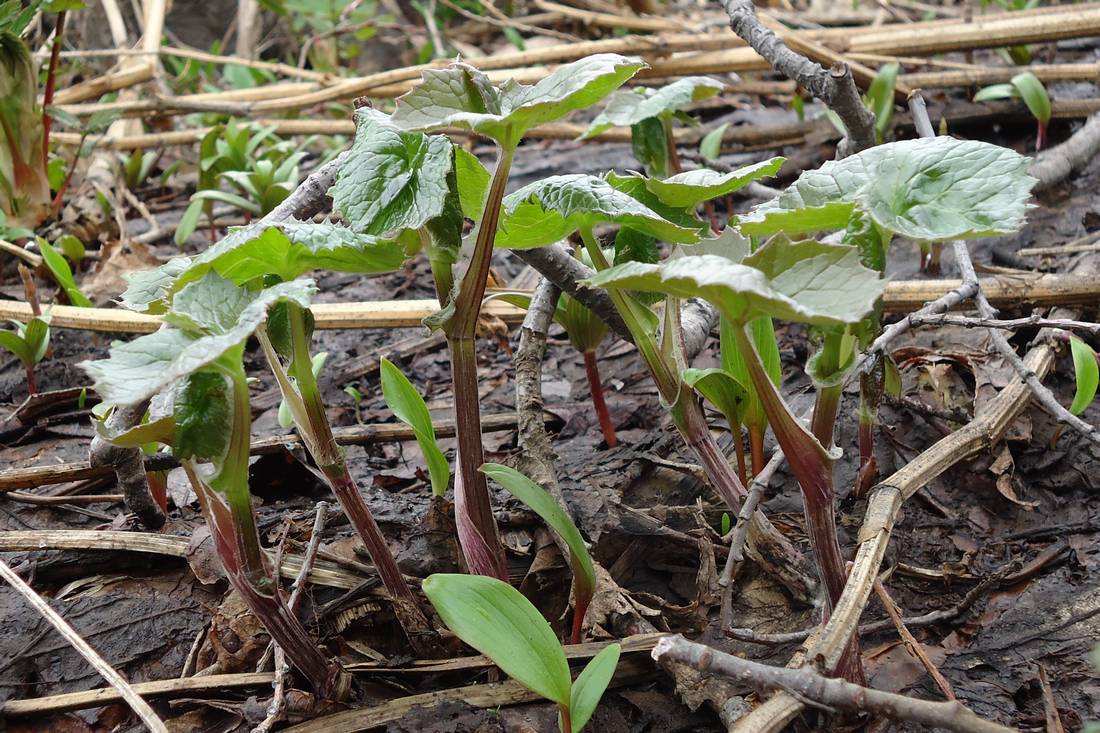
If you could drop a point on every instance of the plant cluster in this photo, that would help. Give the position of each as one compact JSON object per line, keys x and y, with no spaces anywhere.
{"x":402,"y":190}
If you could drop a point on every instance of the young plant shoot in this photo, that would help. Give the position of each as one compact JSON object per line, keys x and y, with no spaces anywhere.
{"x":192,"y":368}
{"x":496,"y":619}
{"x":29,"y":342}
{"x":410,"y":408}
{"x":1027,"y":87}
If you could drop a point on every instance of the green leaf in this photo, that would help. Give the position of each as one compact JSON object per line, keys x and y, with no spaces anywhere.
{"x":721,"y":389}
{"x":1034,"y":94}
{"x":710,"y":149}
{"x":549,"y":210}
{"x":996,"y":91}
{"x":285,"y":415}
{"x":591,"y":684}
{"x":880,"y":97}
{"x":37,"y":337}
{"x":928,"y":189}
{"x":189,"y":222}
{"x":495,"y":618}
{"x":410,"y":408}
{"x":537,"y":498}
{"x":231,"y":199}
{"x":391,"y":179}
{"x":160,"y":430}
{"x":1085,"y":372}
{"x":636,"y":186}
{"x":140,"y":368}
{"x":650,"y":147}
{"x":14,"y":343}
{"x":689,"y":189}
{"x":71,"y":247}
{"x":762,"y":221}
{"x":203,"y":415}
{"x":473,"y":183}
{"x":285,"y":250}
{"x":63,"y":274}
{"x":807,"y":281}
{"x":461,"y":96}
{"x":628,"y":107}
{"x":762,"y":334}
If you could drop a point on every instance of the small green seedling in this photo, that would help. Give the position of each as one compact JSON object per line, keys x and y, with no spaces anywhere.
{"x":410,"y":408}
{"x":536,"y":497}
{"x":61,"y":271}
{"x":498,"y":621}
{"x":1025,"y":86}
{"x":29,"y":342}
{"x":710,"y":148}
{"x":880,"y":97}
{"x":1086,"y":374}
{"x":357,"y":397}
{"x":137,"y":167}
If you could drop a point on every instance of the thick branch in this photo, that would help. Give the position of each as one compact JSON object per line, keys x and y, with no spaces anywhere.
{"x":835,"y":87}
{"x":128,"y":465}
{"x":828,"y":692}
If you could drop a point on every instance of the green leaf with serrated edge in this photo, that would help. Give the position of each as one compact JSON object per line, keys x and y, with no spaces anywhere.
{"x":728,"y":243}
{"x":808,"y":281}
{"x":62,"y":274}
{"x":927,"y":189}
{"x":549,"y":210}
{"x":863,"y":234}
{"x":1034,"y":94}
{"x":650,"y":146}
{"x":689,"y":189}
{"x":462,"y":96}
{"x":285,"y":250}
{"x":473,"y":183}
{"x":410,"y":408}
{"x":630,"y":106}
{"x":721,"y":389}
{"x":710,"y":149}
{"x":391,"y":179}
{"x":590,"y":685}
{"x":635,"y":186}
{"x":540,"y":502}
{"x":140,"y":368}
{"x":14,"y":343}
{"x":1085,"y":373}
{"x":160,"y":430}
{"x":634,"y":246}
{"x":212,"y":305}
{"x":203,"y":415}
{"x":495,"y":618}
{"x":759,"y":222}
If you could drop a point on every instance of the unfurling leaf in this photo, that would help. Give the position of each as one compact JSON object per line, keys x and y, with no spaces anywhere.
{"x":591,"y":684}
{"x":203,"y":415}
{"x":808,"y":281}
{"x":1085,"y":373}
{"x":928,"y":189}
{"x":631,"y":106}
{"x":495,"y":618}
{"x":721,"y":389}
{"x":549,"y":210}
{"x":410,"y":408}
{"x":462,"y":96}
{"x":539,"y":501}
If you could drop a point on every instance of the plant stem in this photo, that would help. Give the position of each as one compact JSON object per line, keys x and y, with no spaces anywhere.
{"x":51,"y":80}
{"x":825,"y":408}
{"x":739,"y":448}
{"x":592,"y":371}
{"x":756,"y":448}
{"x":674,"y":165}
{"x":813,"y":469}
{"x":871,"y":385}
{"x":566,"y":721}
{"x":32,"y":383}
{"x":477,"y":527}
{"x":579,"y":611}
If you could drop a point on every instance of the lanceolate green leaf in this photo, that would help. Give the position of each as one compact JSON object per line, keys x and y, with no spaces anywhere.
{"x":1034,"y":94}
{"x":410,"y":408}
{"x":762,"y":334}
{"x":547,"y":211}
{"x":473,"y":182}
{"x":140,"y":368}
{"x":928,"y":189}
{"x":14,"y":343}
{"x":691,"y":188}
{"x":286,"y":250}
{"x":1086,"y":373}
{"x":710,"y":148}
{"x":631,"y":106}
{"x":722,"y":390}
{"x":462,"y":96}
{"x":591,"y":684}
{"x":536,"y":497}
{"x":63,"y":274}
{"x":807,"y":281}
{"x":391,"y":179}
{"x":495,"y":618}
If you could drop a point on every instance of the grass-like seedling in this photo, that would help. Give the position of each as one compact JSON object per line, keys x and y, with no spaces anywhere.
{"x":1030,"y":89}
{"x":24,"y":185}
{"x":496,"y":619}
{"x":29,"y":342}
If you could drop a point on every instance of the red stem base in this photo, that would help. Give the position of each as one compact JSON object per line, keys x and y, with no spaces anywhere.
{"x":592,"y":370}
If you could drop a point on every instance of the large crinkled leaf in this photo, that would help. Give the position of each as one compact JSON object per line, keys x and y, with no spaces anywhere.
{"x":630,"y":106}
{"x":928,"y":189}
{"x":203,"y":416}
{"x":391,"y":179}
{"x":636,"y":186}
{"x":690,"y":188}
{"x":549,"y":210}
{"x":462,"y":96}
{"x":806,"y":281}
{"x":216,"y":323}
{"x":286,"y":250}
{"x":763,"y":221}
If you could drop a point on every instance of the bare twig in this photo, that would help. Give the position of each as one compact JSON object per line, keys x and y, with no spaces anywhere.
{"x":911,"y":644}
{"x":835,"y":87}
{"x":1011,"y":324}
{"x":128,"y":465}
{"x":138,"y":705}
{"x":833,"y":693}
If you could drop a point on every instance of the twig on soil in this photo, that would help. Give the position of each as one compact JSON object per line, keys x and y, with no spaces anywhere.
{"x":834,"y":693}
{"x":834,"y":87}
{"x":911,"y":644}
{"x":1034,"y":320}
{"x":138,"y":705}
{"x":1054,"y":721}
{"x":1055,"y":165}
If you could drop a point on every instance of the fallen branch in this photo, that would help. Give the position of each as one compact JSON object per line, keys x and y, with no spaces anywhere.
{"x":1032,"y":321}
{"x":830,"y":693}
{"x":127,"y":693}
